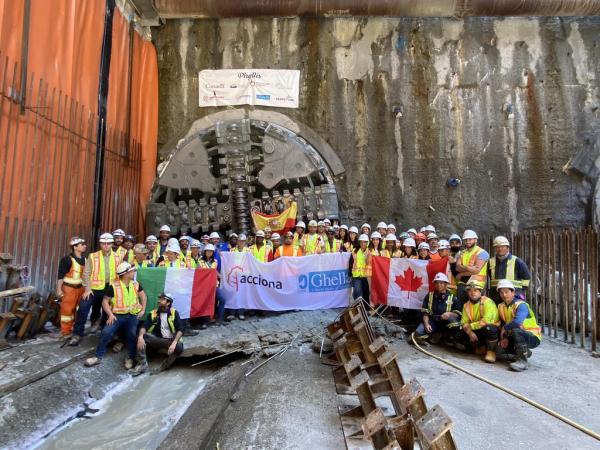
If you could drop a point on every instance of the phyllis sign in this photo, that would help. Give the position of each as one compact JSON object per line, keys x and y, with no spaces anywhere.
{"x":308,"y":282}
{"x":258,"y":87}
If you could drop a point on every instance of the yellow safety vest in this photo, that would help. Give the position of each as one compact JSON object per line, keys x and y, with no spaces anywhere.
{"x":178,"y":264}
{"x":97,"y":276}
{"x":297,"y":238}
{"x":126,"y":300}
{"x":74,"y":275}
{"x":145,"y":263}
{"x":359,"y":269}
{"x":393,"y":254}
{"x":333,"y":248}
{"x":261,"y":254}
{"x":155,"y":254}
{"x":237,"y":250}
{"x":190,"y":262}
{"x":510,"y":273}
{"x":311,"y":244}
{"x":468,"y":258}
{"x":507,"y":314}
{"x":477,"y":312}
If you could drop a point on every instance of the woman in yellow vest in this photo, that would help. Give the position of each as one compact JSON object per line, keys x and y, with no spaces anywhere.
{"x":69,"y":287}
{"x":360,"y":282}
{"x":125,"y":304}
{"x":171,"y":256}
{"x":520,"y":330}
{"x":390,"y":250}
{"x":193,"y":258}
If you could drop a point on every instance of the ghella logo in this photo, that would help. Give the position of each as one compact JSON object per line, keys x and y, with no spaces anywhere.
{"x":329,"y":280}
{"x":236,"y":277}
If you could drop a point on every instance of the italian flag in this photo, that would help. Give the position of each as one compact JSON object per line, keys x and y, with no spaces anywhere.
{"x":403,"y":282}
{"x":193,"y":290}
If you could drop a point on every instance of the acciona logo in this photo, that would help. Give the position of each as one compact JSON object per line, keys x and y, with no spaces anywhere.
{"x":236,"y":277}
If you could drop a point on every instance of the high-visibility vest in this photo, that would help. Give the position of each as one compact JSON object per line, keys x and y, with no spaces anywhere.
{"x":449,"y":301}
{"x":97,"y":276}
{"x":262,"y":253}
{"x":510,"y":273}
{"x":298,"y":239}
{"x":475,"y":312}
{"x":452,"y":280}
{"x":126,"y":301}
{"x":359,"y":268}
{"x":209,"y":265}
{"x":190,"y":262}
{"x":145,"y":263}
{"x":155,"y":254}
{"x":434,"y":256}
{"x":170,"y":320}
{"x":469,"y":258}
{"x":281,"y":250}
{"x":386,"y":253}
{"x":74,"y":275}
{"x":122,"y":253}
{"x":178,"y":264}
{"x":312,"y":244}
{"x":508,"y":313}
{"x":333,"y":247}
{"x":237,"y":250}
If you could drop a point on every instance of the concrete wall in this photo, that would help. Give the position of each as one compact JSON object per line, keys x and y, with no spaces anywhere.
{"x":502,"y":104}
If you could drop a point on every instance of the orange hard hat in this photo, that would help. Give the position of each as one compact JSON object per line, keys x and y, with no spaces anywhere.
{"x":421,"y":236}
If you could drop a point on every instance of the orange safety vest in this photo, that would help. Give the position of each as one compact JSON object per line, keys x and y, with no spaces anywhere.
{"x":74,"y":275}
{"x":287,"y":250}
{"x":472,"y":255}
{"x":126,"y":301}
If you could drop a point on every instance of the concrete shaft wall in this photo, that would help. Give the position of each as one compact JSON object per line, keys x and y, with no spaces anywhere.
{"x":501,"y":104}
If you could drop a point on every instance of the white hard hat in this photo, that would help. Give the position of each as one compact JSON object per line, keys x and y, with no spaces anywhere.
{"x":275,"y":236}
{"x":412,"y":230}
{"x":76,"y":240}
{"x":165,"y":228}
{"x":267,"y":229}
{"x":327,"y":221}
{"x":301,"y":224}
{"x":312,"y":223}
{"x":173,"y":247}
{"x":233,"y":235}
{"x":151,"y":238}
{"x":469,"y":234}
{"x":409,"y":242}
{"x":173,"y":241}
{"x":320,"y":223}
{"x":365,"y":225}
{"x":214,"y":235}
{"x":440,"y":277}
{"x":455,"y":237}
{"x":391,"y":237}
{"x":260,"y":233}
{"x":124,"y":267}
{"x":444,"y":244}
{"x":205,"y":236}
{"x":185,"y":238}
{"x":106,"y":238}
{"x":501,"y":240}
{"x":196,"y":244}
{"x":140,"y":248}
{"x":506,"y":284}
{"x":344,"y":227}
{"x":353,"y":229}
{"x":471,"y":284}
{"x":375,"y":235}
{"x":381,"y":225}
{"x":242,"y":237}
{"x":391,"y":226}
{"x":432,"y":236}
{"x":336,"y":227}
{"x":424,"y":245}
{"x":209,"y":247}
{"x":430,"y":228}
{"x":363,"y":238}
{"x":422,"y":229}
{"x":118,"y":232}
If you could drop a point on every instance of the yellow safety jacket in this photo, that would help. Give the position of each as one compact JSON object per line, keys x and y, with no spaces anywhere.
{"x":126,"y":300}
{"x":334,"y":247}
{"x":312,"y":244}
{"x":73,"y":277}
{"x":359,"y":268}
{"x":469,"y":258}
{"x":480,"y":314}
{"x":510,"y":273}
{"x":190,"y":262}
{"x":97,"y":275}
{"x":507,"y":314}
{"x":261,"y":254}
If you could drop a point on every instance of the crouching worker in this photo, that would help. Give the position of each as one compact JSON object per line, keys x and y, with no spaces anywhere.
{"x":163,"y":330}
{"x":520,"y":331}
{"x":123,"y":301}
{"x":441,"y":313}
{"x":479,"y":324}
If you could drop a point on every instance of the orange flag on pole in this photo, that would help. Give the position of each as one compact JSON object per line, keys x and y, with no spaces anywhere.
{"x":285,"y":221}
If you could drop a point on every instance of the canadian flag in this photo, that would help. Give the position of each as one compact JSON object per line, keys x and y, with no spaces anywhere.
{"x":403,"y":282}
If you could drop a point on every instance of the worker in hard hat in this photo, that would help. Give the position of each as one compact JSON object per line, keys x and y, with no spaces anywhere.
{"x":343,"y":235}
{"x":382,"y":228}
{"x":312,"y":243}
{"x":365,"y":229}
{"x":352,"y":243}
{"x":427,"y":230}
{"x":268,"y":233}
{"x":471,"y":264}
{"x":520,"y":331}
{"x":390,"y":250}
{"x":441,"y":312}
{"x":444,"y":252}
{"x":409,"y":249}
{"x":162,"y":330}
{"x":423,"y":251}
{"x":118,"y":239}
{"x":433,"y":241}
{"x":332,"y":243}
{"x":262,"y":252}
{"x":215,"y":240}
{"x":412,"y":233}
{"x":288,"y":248}
{"x":299,"y":233}
{"x":128,"y":243}
{"x":241,"y":244}
{"x":208,"y":261}
{"x":391,"y":229}
{"x":124,"y":303}
{"x":164,"y":234}
{"x":376,"y":244}
{"x":479,"y":323}
{"x":184,"y":245}
{"x":153,"y":249}
{"x":321,"y":229}
{"x":420,"y":238}
{"x":192,"y":259}
{"x":170,"y":258}
{"x":231,"y":243}
{"x":140,"y":257}
{"x":455,"y":244}
{"x":69,"y":287}
{"x":205,"y":239}
{"x":506,"y":266}
{"x":100,"y":270}
{"x":275,"y":242}
{"x":401,"y":237}
{"x":360,"y":282}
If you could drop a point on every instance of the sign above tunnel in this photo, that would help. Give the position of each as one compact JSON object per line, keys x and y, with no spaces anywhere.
{"x":256,"y":87}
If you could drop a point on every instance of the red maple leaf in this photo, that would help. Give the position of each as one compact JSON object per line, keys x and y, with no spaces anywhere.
{"x":409,"y":282}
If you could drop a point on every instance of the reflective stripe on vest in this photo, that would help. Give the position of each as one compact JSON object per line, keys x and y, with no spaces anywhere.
{"x":170,"y":320}
{"x":145,"y":263}
{"x":126,"y":301}
{"x":507,"y":314}
{"x":359,"y":269}
{"x":337,"y":245}
{"x":97,"y":277}
{"x":469,"y":258}
{"x":477,"y":316}
{"x":261,"y":254}
{"x":280,"y":250}
{"x":178,"y":264}
{"x":449,"y":301}
{"x":510,"y":273}
{"x":311,"y":244}
{"x":74,"y":275}
{"x":387,"y":254}
{"x":190,"y":262}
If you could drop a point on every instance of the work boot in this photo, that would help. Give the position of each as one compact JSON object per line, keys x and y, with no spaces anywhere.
{"x":128,"y":363}
{"x":118,"y":347}
{"x":75,"y":340}
{"x":141,"y":368}
{"x":93,"y":361}
{"x":230,"y":317}
{"x":167,"y":362}
{"x":490,"y":356}
{"x":189,"y":332}
{"x":521,"y":363}
{"x":242,"y":317}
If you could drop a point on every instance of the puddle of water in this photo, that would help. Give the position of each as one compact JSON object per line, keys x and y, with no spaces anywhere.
{"x":137,"y":414}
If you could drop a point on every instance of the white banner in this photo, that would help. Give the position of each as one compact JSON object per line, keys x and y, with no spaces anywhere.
{"x":306,"y":282}
{"x":257,"y":87}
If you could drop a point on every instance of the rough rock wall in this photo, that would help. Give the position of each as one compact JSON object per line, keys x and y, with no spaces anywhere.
{"x":501,"y":104}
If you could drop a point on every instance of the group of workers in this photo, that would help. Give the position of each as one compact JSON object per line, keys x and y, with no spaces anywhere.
{"x":105,"y":284}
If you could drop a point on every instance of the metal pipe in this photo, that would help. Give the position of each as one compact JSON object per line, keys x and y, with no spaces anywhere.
{"x":168,"y":9}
